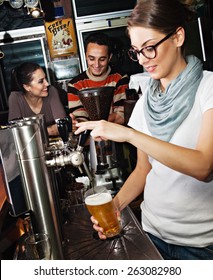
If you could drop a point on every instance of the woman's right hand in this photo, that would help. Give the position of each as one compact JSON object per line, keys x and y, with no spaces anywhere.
{"x":104,"y":130}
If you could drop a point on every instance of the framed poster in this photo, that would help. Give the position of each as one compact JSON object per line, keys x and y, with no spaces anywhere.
{"x":61,"y":37}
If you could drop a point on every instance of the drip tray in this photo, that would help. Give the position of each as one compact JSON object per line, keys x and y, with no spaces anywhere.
{"x":83,"y":243}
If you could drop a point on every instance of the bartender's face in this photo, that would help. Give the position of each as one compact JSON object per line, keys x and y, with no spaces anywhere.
{"x":38,"y":87}
{"x":168,"y":62}
{"x":98,"y":58}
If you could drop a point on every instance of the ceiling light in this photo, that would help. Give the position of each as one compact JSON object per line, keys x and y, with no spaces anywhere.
{"x":31,"y":3}
{"x":16,"y":4}
{"x":35,"y":12}
{"x":33,"y":6}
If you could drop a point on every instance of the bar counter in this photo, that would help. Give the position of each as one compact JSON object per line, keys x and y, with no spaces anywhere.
{"x":83,"y":243}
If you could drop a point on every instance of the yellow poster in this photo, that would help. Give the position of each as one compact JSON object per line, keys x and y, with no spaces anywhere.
{"x":61,"y":37}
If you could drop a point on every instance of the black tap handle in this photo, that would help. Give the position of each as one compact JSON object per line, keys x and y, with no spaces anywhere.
{"x":69,"y":124}
{"x":83,"y":138}
{"x":64,"y":127}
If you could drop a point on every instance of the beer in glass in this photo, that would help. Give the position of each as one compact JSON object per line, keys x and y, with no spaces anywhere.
{"x":101,"y":206}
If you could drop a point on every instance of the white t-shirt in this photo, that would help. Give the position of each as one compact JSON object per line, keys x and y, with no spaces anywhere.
{"x":178,"y":208}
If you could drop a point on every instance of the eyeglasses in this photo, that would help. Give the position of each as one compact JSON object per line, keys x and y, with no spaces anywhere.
{"x":149,"y":51}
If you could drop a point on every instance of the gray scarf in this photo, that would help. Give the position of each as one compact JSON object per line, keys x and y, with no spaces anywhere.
{"x":166,"y":111}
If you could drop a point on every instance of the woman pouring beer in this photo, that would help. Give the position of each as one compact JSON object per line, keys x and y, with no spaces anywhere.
{"x":172,"y":128}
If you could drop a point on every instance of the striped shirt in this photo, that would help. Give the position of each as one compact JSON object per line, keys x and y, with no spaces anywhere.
{"x":85,"y":80}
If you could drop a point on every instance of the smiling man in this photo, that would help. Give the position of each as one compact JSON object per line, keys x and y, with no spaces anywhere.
{"x":98,"y":52}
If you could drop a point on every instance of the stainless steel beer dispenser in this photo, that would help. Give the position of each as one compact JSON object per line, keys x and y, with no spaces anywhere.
{"x":30,"y":184}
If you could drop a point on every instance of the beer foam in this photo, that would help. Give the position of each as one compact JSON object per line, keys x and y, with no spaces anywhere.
{"x":98,"y":199}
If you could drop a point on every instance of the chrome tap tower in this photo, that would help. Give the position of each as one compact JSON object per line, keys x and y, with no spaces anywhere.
{"x":30,"y":184}
{"x":27,"y":162}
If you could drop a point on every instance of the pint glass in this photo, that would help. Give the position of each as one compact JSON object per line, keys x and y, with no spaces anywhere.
{"x":38,"y":247}
{"x":101,"y":206}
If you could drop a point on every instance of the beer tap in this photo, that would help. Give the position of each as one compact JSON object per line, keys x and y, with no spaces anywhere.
{"x":33,"y":156}
{"x":81,"y":143}
{"x":64,"y":128}
{"x":69,"y":154}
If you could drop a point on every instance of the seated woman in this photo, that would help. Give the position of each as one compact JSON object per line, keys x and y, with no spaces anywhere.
{"x":31,"y":95}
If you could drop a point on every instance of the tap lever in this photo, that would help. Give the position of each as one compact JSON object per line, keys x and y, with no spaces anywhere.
{"x":83,"y":138}
{"x":64,"y":128}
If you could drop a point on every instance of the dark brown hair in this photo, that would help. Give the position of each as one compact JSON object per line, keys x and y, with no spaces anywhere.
{"x":23,"y":75}
{"x":162,"y":15}
{"x":99,"y":38}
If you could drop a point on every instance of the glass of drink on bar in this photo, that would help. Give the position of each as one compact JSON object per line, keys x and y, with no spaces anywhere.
{"x":38,"y":247}
{"x":101,"y":207}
